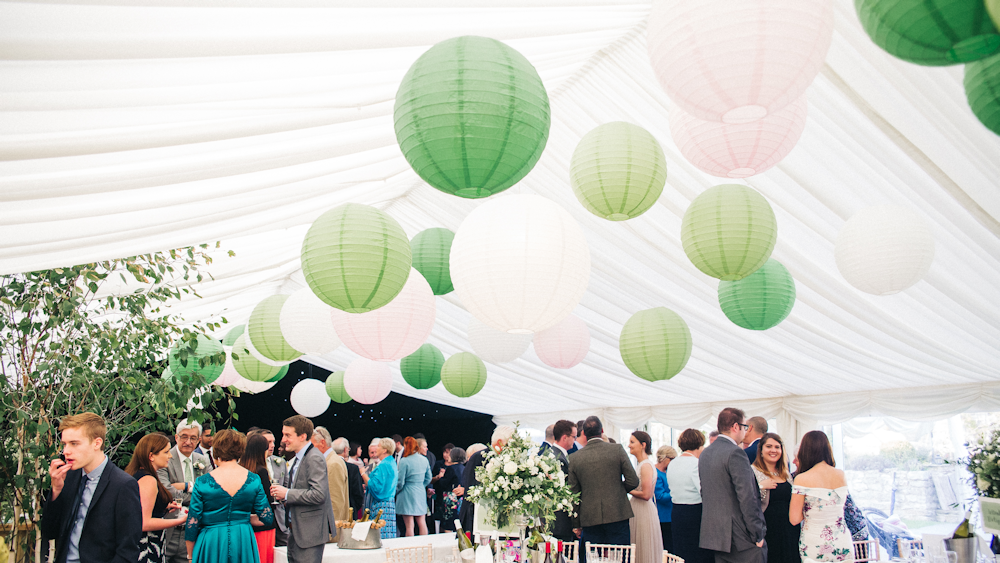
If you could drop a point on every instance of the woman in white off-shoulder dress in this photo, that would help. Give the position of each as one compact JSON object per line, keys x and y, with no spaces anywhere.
{"x":818,"y":497}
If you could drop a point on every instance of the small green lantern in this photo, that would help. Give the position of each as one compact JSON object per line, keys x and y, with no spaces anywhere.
{"x":431,"y":249}
{"x":184,"y":363}
{"x":264,"y":330}
{"x":250,"y":367}
{"x":422,"y":369}
{"x":356,"y":258}
{"x":335,"y":387}
{"x":463,"y":374}
{"x":282,"y":372}
{"x":761,"y":300}
{"x":982,"y":90}
{"x":655,"y":344}
{"x":233,"y":334}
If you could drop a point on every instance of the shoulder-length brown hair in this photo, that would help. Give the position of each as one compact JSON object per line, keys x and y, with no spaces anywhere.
{"x":782,"y":463}
{"x":815,"y":447}
{"x":149,"y":444}
{"x":254,"y":453}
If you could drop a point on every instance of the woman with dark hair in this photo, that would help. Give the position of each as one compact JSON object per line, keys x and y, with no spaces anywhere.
{"x":414,"y":474}
{"x":152,"y":453}
{"x":451,"y":477}
{"x":645,"y":522}
{"x":254,"y":460}
{"x":771,"y":470}
{"x":819,"y":495}
{"x":685,"y":490}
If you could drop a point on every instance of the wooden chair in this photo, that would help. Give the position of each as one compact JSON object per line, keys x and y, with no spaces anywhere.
{"x":671,"y":558}
{"x":908,"y":546}
{"x":604,"y":553}
{"x":417,"y":554}
{"x":571,"y":551}
{"x":865,"y":550}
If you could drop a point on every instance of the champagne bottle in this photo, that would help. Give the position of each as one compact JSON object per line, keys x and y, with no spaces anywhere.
{"x":350,"y":517}
{"x":548,"y":552}
{"x":465,"y":547}
{"x":483,"y":553}
{"x":378,"y":516}
{"x":561,"y":555}
{"x":367,"y":514}
{"x":962,"y":531}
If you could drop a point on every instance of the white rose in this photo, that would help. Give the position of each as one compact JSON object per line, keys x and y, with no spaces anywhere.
{"x":533,"y":470}
{"x":983,"y":484}
{"x":527,"y":499}
{"x":510,"y":468}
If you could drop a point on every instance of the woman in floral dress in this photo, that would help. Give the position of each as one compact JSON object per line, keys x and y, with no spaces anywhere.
{"x":818,"y":498}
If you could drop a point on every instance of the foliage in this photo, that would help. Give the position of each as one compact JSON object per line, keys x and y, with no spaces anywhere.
{"x":518,"y":481}
{"x":984,"y":463}
{"x":896,"y":455}
{"x":92,"y":338}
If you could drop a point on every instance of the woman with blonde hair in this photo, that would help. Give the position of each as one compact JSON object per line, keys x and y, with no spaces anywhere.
{"x":153,"y":453}
{"x":664,"y":504}
{"x":381,"y":484}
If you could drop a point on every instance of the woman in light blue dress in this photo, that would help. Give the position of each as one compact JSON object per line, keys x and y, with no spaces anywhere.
{"x":411,"y":487}
{"x":381,"y":495}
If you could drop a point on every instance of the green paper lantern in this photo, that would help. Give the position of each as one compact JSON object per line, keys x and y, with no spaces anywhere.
{"x":264,"y":330}
{"x":233,"y":334}
{"x":618,"y":171}
{"x":930,"y":32}
{"x":250,"y":367}
{"x":729,"y":231}
{"x":982,"y":89}
{"x":463,"y":374}
{"x":655,"y":344}
{"x":355,"y":258}
{"x":282,"y":372}
{"x":761,"y":300}
{"x":335,"y":387}
{"x":422,"y":369}
{"x":431,"y":249}
{"x":472,"y":116}
{"x":184,"y":364}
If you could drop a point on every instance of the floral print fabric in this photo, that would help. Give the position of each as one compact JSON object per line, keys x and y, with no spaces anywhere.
{"x":824,"y":535}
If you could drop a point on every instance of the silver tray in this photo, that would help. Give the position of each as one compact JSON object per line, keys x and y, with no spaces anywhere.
{"x":345,"y":541}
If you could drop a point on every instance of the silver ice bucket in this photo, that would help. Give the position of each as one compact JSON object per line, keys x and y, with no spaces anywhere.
{"x":372,"y":541}
{"x":964,"y":548}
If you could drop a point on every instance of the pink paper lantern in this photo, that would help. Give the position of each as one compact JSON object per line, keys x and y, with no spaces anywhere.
{"x":564,"y":345}
{"x":367,"y":381}
{"x":736,"y":61}
{"x":393,"y":331}
{"x":738,"y":150}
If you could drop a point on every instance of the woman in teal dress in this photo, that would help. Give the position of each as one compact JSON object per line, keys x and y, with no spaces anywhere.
{"x":411,"y":487}
{"x":223,"y":503}
{"x":381,"y":483}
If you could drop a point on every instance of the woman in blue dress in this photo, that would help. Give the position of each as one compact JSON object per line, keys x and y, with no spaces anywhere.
{"x":222,"y":503}
{"x":381,"y":483}
{"x":411,"y":487}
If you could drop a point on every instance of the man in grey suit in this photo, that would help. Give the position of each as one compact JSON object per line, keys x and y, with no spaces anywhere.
{"x":184,"y":467}
{"x":732,"y":523}
{"x":308,"y":512}
{"x":602,"y":473}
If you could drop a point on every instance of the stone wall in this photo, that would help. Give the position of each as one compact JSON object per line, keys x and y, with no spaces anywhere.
{"x":916,"y":498}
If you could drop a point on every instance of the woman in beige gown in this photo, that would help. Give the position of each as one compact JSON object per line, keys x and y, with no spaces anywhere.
{"x":645,"y":524}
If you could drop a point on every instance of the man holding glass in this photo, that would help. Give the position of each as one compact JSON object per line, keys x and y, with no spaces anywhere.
{"x":178,"y":477}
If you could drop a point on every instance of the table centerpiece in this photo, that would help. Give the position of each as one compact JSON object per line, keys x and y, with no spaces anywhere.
{"x":984,"y":465}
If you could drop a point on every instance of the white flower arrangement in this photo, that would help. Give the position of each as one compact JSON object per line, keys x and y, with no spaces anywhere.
{"x":984,"y":463}
{"x":199,"y":465}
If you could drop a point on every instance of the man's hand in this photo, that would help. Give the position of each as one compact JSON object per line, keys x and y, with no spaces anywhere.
{"x":760,"y":543}
{"x":577,"y":531}
{"x":279,"y":492}
{"x":57,"y":471}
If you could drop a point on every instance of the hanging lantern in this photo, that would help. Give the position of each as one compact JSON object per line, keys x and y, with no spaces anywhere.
{"x":309,"y":398}
{"x":167,"y":375}
{"x":564,"y":345}
{"x":520,"y":263}
{"x":306,"y":323}
{"x":250,"y":367}
{"x":185,"y":363}
{"x":431,"y":248}
{"x":264,"y":330}
{"x":232,"y":335}
{"x":495,"y":346}
{"x":395,"y":330}
{"x":463,"y":374}
{"x":368,"y":382}
{"x":282,"y":372}
{"x":252,"y":387}
{"x":761,"y":300}
{"x":982,"y":90}
{"x":471,"y":116}
{"x":884,"y":249}
{"x":941,"y":32}
{"x":729,"y":231}
{"x":655,"y":344}
{"x":737,"y":61}
{"x":618,"y":171}
{"x":356,"y":258}
{"x":422,"y":369}
{"x":248,"y":345}
{"x":739,"y":150}
{"x":335,"y":388}
{"x":229,"y":374}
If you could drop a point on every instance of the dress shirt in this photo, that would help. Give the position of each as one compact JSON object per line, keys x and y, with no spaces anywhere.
{"x":684,"y":481}
{"x":326,"y":455}
{"x":185,"y":460}
{"x":298,"y":461}
{"x":730,"y":438}
{"x":562,"y":449}
{"x":73,"y":552}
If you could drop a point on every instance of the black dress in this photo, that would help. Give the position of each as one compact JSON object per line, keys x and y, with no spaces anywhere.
{"x":151,"y":543}
{"x":782,"y":538}
{"x":265,"y":477}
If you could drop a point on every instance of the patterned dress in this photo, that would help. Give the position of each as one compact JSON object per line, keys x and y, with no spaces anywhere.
{"x":824,"y":535}
{"x":151,"y":543}
{"x":382,"y":496}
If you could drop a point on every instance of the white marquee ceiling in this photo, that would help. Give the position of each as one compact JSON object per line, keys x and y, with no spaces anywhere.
{"x":135,"y":126}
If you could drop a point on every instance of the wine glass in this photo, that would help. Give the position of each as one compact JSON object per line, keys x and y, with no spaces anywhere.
{"x":273,"y":483}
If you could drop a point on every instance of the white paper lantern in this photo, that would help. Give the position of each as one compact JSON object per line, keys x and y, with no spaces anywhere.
{"x":564,"y":345}
{"x":260,"y":357}
{"x":309,"y":398}
{"x":393,"y":331}
{"x":884,"y":249}
{"x":252,"y":387}
{"x":307,"y":325}
{"x":737,"y":61}
{"x":520,"y":263}
{"x":367,"y":381}
{"x":496,"y":346}
{"x":229,"y":374}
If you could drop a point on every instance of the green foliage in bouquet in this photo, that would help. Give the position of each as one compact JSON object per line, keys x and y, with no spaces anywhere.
{"x":984,"y":463}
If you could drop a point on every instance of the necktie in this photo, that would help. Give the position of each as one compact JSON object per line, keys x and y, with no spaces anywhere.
{"x":291,"y":473}
{"x":79,"y":500}
{"x":188,"y":471}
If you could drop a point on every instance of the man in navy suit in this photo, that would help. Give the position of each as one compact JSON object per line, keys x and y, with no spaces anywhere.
{"x":758,"y":427}
{"x":93,"y":511}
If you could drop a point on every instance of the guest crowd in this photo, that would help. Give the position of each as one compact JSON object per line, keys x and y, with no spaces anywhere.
{"x":235,"y":497}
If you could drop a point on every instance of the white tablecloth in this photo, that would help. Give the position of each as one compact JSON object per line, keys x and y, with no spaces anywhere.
{"x":443,"y":544}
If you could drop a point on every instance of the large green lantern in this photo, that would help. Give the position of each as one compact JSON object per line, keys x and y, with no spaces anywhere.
{"x":930,"y":32}
{"x":655,"y":344}
{"x":233,"y":334}
{"x":761,"y":300}
{"x":185,"y":362}
{"x":463,"y":374}
{"x":422,"y":369}
{"x":282,"y":372}
{"x":335,"y":387}
{"x":982,"y":89}
{"x":250,"y":367}
{"x":264,"y":331}
{"x":618,"y":171}
{"x":729,"y":231}
{"x":472,"y":116}
{"x":356,"y":258}
{"x":431,"y":249}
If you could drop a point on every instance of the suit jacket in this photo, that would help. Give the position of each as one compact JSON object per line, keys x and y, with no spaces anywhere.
{"x":467,"y":513}
{"x":279,"y":467}
{"x":731,"y":518}
{"x":751,"y":451}
{"x":563,"y":527}
{"x":336,"y":478}
{"x":308,"y":502}
{"x":113,"y":525}
{"x":603,"y":475}
{"x":173,"y":538}
{"x":355,"y":487}
{"x":207,"y":453}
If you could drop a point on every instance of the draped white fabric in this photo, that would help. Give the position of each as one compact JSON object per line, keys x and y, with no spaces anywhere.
{"x":136,"y":126}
